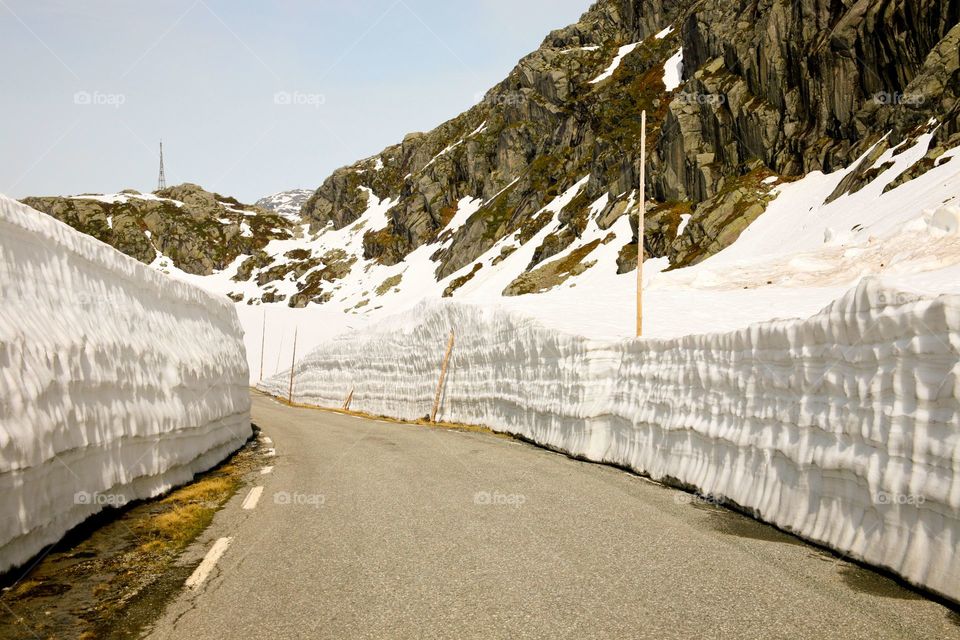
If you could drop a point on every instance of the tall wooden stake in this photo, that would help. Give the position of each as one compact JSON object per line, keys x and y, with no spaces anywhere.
{"x":641,"y":215}
{"x":443,"y":376}
{"x":293,"y":361}
{"x":346,"y":403}
{"x":263,"y":342}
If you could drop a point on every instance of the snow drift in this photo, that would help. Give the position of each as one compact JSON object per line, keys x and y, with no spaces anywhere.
{"x":116,"y":382}
{"x":842,"y":428}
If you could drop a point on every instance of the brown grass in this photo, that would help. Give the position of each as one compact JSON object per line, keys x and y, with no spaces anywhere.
{"x":193,"y":508}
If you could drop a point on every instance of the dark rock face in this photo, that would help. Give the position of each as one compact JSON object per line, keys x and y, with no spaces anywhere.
{"x":772,"y":87}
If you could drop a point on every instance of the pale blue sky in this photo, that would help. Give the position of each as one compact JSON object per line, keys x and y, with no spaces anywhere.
{"x":204,"y":76}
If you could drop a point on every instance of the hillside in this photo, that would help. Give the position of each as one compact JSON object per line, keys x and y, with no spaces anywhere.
{"x":196,"y":231}
{"x":827,"y":130}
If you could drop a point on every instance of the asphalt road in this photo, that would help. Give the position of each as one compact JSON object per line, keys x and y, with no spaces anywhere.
{"x":366,"y":529}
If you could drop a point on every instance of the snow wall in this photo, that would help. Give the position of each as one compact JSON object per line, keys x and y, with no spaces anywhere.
{"x":842,"y":428}
{"x":116,"y":382}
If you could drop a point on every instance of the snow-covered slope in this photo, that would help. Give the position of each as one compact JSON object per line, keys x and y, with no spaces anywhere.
{"x":116,"y":382}
{"x":286,"y":203}
{"x":841,"y":428}
{"x":798,"y":256}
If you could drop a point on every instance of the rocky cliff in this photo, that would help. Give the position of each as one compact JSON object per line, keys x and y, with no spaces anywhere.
{"x":741,"y":96}
{"x":767,"y":88}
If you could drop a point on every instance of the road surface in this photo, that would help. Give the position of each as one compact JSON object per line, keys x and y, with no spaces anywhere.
{"x":366,"y":529}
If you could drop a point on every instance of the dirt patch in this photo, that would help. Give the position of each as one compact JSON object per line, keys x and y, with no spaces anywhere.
{"x":113,"y":574}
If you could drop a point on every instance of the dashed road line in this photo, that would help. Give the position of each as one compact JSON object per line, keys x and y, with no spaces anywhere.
{"x":266,"y":470}
{"x":250,"y":502}
{"x":202,"y":572}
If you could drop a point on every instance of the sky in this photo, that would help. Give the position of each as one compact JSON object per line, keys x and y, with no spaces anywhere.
{"x":250,"y":98}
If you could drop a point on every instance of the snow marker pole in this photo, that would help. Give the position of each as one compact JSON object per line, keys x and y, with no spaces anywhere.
{"x":641,"y":220}
{"x":293,"y":361}
{"x":346,"y":404}
{"x":443,"y":375}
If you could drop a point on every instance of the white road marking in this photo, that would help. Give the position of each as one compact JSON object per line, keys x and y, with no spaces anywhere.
{"x":270,"y":452}
{"x":201,"y":573}
{"x":266,"y":440}
{"x":266,"y":470}
{"x":250,"y":502}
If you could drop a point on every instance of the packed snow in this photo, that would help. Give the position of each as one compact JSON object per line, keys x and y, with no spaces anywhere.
{"x":840,"y":428}
{"x":780,"y":267}
{"x":623,"y":52}
{"x":286,"y":203}
{"x":673,"y":71}
{"x":117,"y":382}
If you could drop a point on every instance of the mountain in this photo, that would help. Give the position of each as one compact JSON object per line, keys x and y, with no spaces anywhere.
{"x":286,"y":203}
{"x":765,"y":89}
{"x":821,"y":121}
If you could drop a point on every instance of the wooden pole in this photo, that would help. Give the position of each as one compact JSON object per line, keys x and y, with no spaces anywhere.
{"x":346,"y":404}
{"x":443,"y":375}
{"x":292,"y":363}
{"x":263,"y":342}
{"x":641,"y":219}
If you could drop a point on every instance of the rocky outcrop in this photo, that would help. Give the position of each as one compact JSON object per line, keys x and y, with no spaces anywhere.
{"x":199,"y":231}
{"x":286,"y":203}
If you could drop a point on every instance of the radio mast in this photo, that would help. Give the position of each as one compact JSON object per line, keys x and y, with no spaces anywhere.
{"x":162,"y":180}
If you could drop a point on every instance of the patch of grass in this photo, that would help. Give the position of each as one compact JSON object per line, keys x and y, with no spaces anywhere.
{"x":193,"y":508}
{"x":388,"y":284}
{"x":462,"y":280}
{"x":108,"y":576}
{"x":176,"y":528}
{"x":552,"y":274}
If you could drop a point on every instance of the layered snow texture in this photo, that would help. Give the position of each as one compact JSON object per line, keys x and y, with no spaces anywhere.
{"x":842,"y":428}
{"x":116,"y":382}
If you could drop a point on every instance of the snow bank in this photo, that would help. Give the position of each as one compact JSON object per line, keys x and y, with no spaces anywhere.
{"x":842,"y":428}
{"x":116,"y":382}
